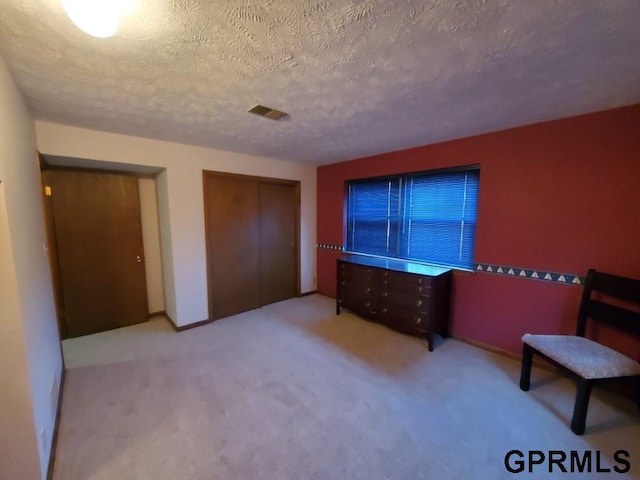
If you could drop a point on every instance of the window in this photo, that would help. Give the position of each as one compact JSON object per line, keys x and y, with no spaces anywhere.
{"x":428,"y":216}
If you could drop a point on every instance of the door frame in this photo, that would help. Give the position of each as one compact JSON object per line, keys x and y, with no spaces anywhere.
{"x":52,"y":250}
{"x":206,"y":174}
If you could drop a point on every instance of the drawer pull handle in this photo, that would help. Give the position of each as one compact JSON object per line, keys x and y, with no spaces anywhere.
{"x":419,"y":304}
{"x":385,"y":294}
{"x":418,"y":320}
{"x":384,"y":310}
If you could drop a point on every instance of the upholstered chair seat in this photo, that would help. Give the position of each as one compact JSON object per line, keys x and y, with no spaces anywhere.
{"x":583,"y":356}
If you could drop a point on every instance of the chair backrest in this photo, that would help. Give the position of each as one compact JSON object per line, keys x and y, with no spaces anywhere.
{"x":624,"y":289}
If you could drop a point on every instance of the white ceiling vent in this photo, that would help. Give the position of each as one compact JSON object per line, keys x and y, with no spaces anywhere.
{"x":267,"y":112}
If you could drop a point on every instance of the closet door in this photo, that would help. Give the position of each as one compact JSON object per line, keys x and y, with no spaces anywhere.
{"x":251,"y":229}
{"x":278,"y":242}
{"x":232,"y":235}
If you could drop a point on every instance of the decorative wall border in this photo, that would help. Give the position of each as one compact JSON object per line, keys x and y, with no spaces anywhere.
{"x":543,"y":275}
{"x":509,"y":271}
{"x":330,"y":246}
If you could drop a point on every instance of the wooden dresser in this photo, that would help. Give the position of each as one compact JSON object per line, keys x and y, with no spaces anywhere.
{"x":407,"y":297}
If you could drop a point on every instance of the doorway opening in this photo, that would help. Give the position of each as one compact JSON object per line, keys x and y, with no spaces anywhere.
{"x":103,"y":232}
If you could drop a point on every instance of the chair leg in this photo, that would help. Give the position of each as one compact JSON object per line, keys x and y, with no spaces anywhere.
{"x":525,"y":372}
{"x":580,"y":409}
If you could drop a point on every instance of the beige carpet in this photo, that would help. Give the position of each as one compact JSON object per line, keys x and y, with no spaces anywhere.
{"x":292,"y":391}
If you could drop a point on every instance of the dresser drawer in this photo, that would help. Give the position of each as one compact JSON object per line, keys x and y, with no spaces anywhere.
{"x":406,"y":320}
{"x":355,"y":292}
{"x":406,"y":281}
{"x":368,"y":307}
{"x":354,"y":274}
{"x":393,"y":288}
{"x":407,"y":297}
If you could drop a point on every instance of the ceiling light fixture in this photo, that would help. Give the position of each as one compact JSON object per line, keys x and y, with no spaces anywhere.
{"x":99,"y":18}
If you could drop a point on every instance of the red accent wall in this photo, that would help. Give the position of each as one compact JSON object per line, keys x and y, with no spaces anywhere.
{"x":560,"y":196}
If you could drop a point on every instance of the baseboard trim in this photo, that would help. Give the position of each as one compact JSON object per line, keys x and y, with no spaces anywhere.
{"x":487,"y":347}
{"x":56,"y":425}
{"x":182,"y":328}
{"x":171,"y":321}
{"x":193,"y":325}
{"x":160,"y":313}
{"x":306,"y":294}
{"x":505,"y":353}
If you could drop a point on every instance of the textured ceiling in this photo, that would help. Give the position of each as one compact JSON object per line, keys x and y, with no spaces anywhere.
{"x":357,"y":77}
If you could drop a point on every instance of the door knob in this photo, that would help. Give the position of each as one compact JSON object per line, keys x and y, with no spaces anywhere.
{"x":138,"y":259}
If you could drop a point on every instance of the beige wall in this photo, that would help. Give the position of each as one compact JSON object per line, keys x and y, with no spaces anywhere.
{"x":18,"y":443}
{"x":151,"y":240}
{"x":166,"y":246}
{"x":30,"y":357}
{"x":180,"y":202}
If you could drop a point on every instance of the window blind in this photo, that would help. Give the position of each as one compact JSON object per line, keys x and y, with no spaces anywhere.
{"x":373,"y":213}
{"x":428,"y":216}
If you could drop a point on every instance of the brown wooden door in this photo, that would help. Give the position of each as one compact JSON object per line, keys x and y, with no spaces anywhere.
{"x":278,"y":249}
{"x":251,"y":228}
{"x":232,"y":234}
{"x":98,"y":234}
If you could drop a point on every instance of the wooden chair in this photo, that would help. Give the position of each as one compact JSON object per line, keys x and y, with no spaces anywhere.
{"x":587,"y":361}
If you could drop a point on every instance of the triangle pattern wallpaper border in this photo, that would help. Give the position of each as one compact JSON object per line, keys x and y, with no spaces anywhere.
{"x":542,"y":275}
{"x":507,"y":270}
{"x":330,"y":246}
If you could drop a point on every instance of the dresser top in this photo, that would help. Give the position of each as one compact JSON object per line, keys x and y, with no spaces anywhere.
{"x":397,"y":265}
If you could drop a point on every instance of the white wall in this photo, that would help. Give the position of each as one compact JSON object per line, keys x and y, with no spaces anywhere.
{"x":30,"y":356}
{"x":181,"y":205}
{"x":151,"y":241}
